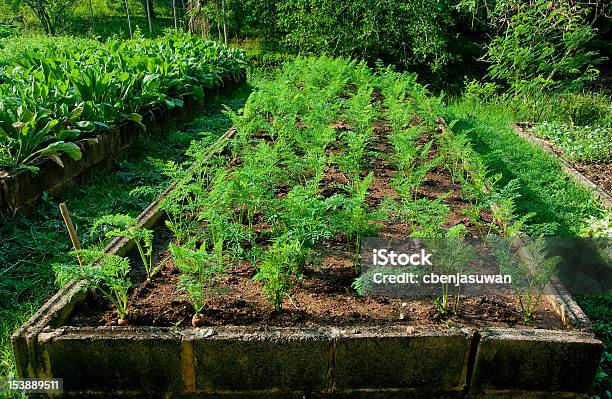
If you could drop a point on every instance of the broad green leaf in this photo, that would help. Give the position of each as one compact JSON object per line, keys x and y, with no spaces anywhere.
{"x":75,"y":113}
{"x":71,"y":149}
{"x":135,"y":117}
{"x":68,"y":134}
{"x":86,"y":126}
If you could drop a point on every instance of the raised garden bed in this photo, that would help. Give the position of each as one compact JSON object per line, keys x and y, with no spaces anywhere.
{"x":311,"y":334}
{"x":20,"y":190}
{"x":356,"y":360}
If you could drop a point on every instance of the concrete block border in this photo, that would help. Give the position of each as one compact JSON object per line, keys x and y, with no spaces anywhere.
{"x":290,"y":362}
{"x":20,"y":190}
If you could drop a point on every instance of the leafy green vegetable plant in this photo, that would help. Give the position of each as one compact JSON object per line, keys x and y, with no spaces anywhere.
{"x":585,"y":143}
{"x":50,"y":97}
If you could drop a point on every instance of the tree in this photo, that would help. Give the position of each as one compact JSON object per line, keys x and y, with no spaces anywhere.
{"x":541,"y":44}
{"x":50,"y":13}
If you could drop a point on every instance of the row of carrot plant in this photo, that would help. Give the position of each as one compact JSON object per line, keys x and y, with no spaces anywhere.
{"x":48,"y":99}
{"x":266,"y":200}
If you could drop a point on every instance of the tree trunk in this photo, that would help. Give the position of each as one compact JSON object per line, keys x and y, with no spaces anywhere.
{"x":224,"y":27}
{"x":127,"y":12}
{"x":174,"y":14}
{"x":148,"y":9}
{"x":43,"y":16}
{"x":93,"y":24}
{"x":151,"y":8}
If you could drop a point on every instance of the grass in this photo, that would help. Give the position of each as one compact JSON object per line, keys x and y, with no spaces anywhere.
{"x":561,"y":206}
{"x":33,"y":244}
{"x":109,"y":19}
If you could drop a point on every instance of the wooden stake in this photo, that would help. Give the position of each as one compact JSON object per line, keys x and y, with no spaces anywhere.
{"x":71,"y":230}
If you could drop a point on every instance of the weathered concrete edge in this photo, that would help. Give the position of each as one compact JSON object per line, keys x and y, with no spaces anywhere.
{"x":568,"y":168}
{"x":510,"y":361}
{"x":53,"y":178}
{"x":565,"y":306}
{"x":472,"y":377}
{"x":213,"y":345}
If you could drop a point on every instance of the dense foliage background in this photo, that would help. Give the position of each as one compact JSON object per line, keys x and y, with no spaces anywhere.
{"x":558,"y":45}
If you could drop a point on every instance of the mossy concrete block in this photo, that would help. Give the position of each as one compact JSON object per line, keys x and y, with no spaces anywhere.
{"x":402,"y":357}
{"x":240,"y":359}
{"x":535,"y":360}
{"x":107,"y":360}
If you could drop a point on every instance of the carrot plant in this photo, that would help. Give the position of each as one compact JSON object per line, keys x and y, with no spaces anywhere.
{"x":275,"y":271}
{"x":105,"y":273}
{"x":530,"y":267}
{"x":355,"y":218}
{"x":128,"y":227}
{"x":298,"y":172}
{"x":200,"y":272}
{"x":451,"y":255}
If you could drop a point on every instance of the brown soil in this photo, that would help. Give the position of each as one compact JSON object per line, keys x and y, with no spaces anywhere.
{"x":324,"y":296}
{"x":598,"y":173}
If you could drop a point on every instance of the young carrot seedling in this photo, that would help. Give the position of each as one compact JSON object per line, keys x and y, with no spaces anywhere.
{"x":104,"y":273}
{"x":200,"y":274}
{"x":531,"y":270}
{"x":126,"y":226}
{"x":276,"y":269}
{"x":451,"y":255}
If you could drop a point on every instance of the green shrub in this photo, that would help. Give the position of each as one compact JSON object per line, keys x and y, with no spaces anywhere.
{"x":541,"y":45}
{"x":6,"y":31}
{"x":586,"y":109}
